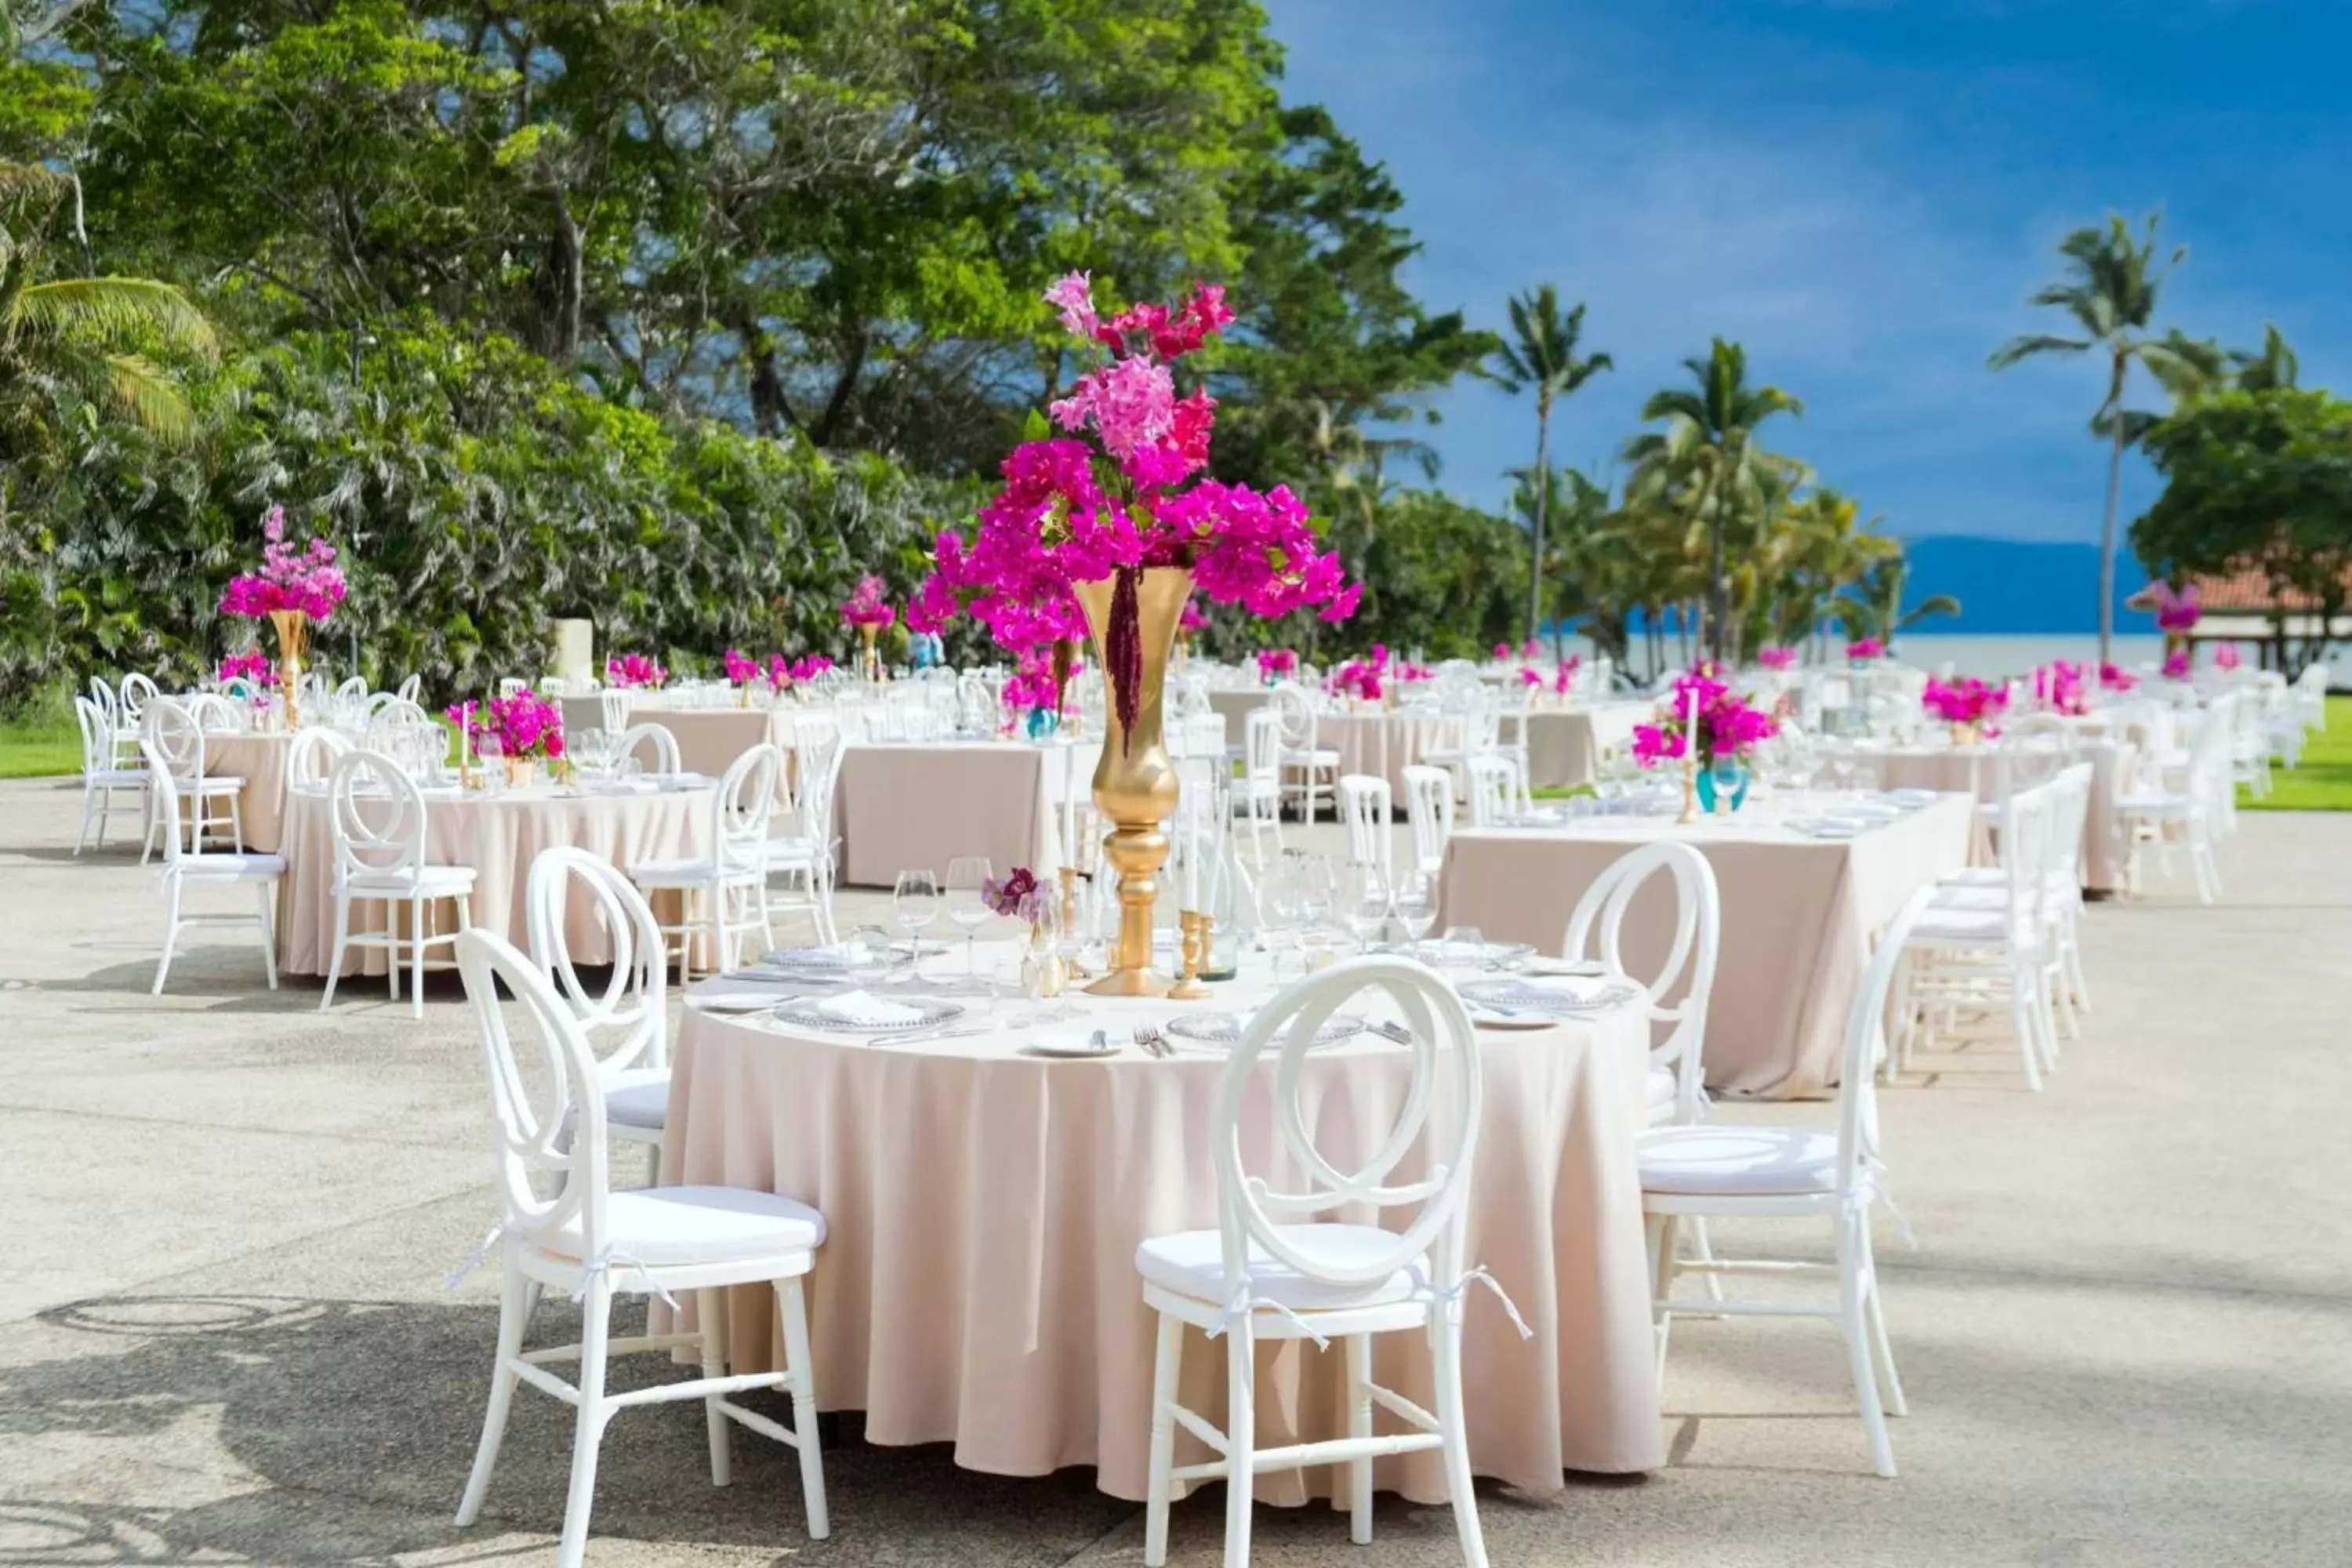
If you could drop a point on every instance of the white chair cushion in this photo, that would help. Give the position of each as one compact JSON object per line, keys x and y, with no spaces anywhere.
{"x":687,"y":873}
{"x":1737,"y":1161}
{"x":1661,"y":1087}
{"x":1940,"y":924}
{"x":425,"y":881}
{"x":122,"y":776}
{"x":639,"y":1099}
{"x":219,"y":784}
{"x":1191,"y":1263}
{"x":226,"y":866}
{"x":661,"y":1226}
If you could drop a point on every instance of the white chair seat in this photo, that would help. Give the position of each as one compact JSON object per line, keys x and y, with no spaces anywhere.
{"x":421,"y":881}
{"x":1191,"y":1263}
{"x":115,"y":778}
{"x":674,"y":1226}
{"x":1662,"y":1088}
{"x":1942,"y":924}
{"x":1247,"y":788}
{"x":685,"y":873}
{"x":246,"y":867}
{"x":791,"y":851}
{"x":639,"y":1099}
{"x":2155,"y":804}
{"x":1760,"y":1162}
{"x":1978,"y":877}
{"x":1983,"y":899}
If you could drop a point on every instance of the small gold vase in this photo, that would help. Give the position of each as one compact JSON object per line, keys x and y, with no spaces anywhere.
{"x":1966,"y":735}
{"x":873,"y":661}
{"x":293,"y":628}
{"x":1135,"y":788}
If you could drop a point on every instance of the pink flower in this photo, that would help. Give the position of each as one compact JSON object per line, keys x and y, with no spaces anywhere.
{"x":634,"y":669}
{"x":1193,"y":618}
{"x":1502,"y":652}
{"x":1564,"y":677}
{"x":1866,"y":648}
{"x":865,"y":607}
{"x":1773,"y":656}
{"x":1272,"y":662}
{"x":306,"y":580}
{"x":2176,"y":665}
{"x":1727,"y":725}
{"x":2226,"y":657}
{"x":1964,"y":701}
{"x":252,"y":666}
{"x":2115,"y":678}
{"x":524,"y":724}
{"x":742,"y":669}
{"x":2176,"y":610}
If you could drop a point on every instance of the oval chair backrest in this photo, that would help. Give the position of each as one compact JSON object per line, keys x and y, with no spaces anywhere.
{"x":632,"y":1003}
{"x":109,"y":701}
{"x":1687,"y":971}
{"x":1428,"y":806}
{"x":652,"y":745}
{"x":747,"y":799}
{"x":376,"y":815}
{"x":1262,"y":743}
{"x":97,"y":736}
{"x":179,"y":739}
{"x":1865,"y":1045}
{"x":1438,"y":1122}
{"x":819,"y":752}
{"x":549,"y":1122}
{"x":1366,"y":808}
{"x":217,"y":714}
{"x":137,"y":691}
{"x":615,"y":703}
{"x":391,"y":712}
{"x":354,"y":688}
{"x":1296,"y":710}
{"x":311,"y":756}
{"x":411,"y":688}
{"x":167,"y":801}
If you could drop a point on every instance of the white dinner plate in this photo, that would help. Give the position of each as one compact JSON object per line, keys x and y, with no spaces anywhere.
{"x":1074,"y":1043}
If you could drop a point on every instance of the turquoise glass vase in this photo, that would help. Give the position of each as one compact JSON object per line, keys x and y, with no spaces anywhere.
{"x":1723,"y":781}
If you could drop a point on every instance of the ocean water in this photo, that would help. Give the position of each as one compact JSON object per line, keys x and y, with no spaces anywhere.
{"x":1994,"y":658}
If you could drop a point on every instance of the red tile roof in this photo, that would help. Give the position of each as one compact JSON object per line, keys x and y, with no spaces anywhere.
{"x":2245,"y":592}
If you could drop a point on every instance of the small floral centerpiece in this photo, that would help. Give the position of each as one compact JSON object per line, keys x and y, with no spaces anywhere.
{"x":1563,"y":677}
{"x":1016,"y":895}
{"x":634,"y":669}
{"x":292,"y":589}
{"x":742,"y":670}
{"x":2178,"y":611}
{"x":1362,"y":678}
{"x":528,"y":728}
{"x":1020,"y":896}
{"x":2116,"y":678}
{"x":1276,"y":664}
{"x":2176,"y":665}
{"x":1772,"y":655}
{"x":252,"y":667}
{"x":866,"y":610}
{"x":1863,"y":649}
{"x":1033,"y":694}
{"x":785,"y":674}
{"x":2225,"y":657}
{"x":1964,"y":704}
{"x":1706,"y":720}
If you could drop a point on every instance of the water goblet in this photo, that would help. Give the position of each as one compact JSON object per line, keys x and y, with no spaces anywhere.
{"x":1365,"y":899}
{"x":1416,"y":907}
{"x":915,"y":903}
{"x":966,"y":876}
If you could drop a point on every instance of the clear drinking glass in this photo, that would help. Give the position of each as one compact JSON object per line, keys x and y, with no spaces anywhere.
{"x":915,"y":902}
{"x":966,"y":873}
{"x":1364,"y":901}
{"x":1463,"y":947}
{"x":1415,"y":904}
{"x":1282,"y":908}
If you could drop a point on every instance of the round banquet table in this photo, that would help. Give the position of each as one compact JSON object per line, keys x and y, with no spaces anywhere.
{"x":1974,"y":770}
{"x":499,"y":836}
{"x":977,"y":1285}
{"x":259,"y":759}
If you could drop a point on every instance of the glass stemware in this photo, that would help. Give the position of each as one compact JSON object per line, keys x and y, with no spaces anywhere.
{"x":1365,"y":898}
{"x":1416,"y":905}
{"x":1282,"y":908}
{"x":915,"y":902}
{"x":966,"y":874}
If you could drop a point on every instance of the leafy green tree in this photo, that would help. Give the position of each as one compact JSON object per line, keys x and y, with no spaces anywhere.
{"x":2112,"y":282}
{"x":1540,"y":357}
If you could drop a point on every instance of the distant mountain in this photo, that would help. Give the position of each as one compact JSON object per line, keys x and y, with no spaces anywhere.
{"x":2011,"y":585}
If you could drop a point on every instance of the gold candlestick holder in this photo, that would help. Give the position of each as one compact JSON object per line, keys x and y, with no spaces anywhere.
{"x":1193,"y":929}
{"x":1690,"y":789}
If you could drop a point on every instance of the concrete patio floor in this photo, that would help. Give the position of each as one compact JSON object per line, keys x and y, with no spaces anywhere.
{"x":2126,"y":1332}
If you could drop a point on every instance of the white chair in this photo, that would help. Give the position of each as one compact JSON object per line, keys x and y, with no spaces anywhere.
{"x":375,"y":814}
{"x":653,"y":745}
{"x":217,"y":715}
{"x":411,"y":688}
{"x":1428,"y":808}
{"x":1310,"y":771}
{"x":137,"y":690}
{"x":616,"y":702}
{"x":631,"y":1004}
{"x":108,"y":704}
{"x":2193,"y":803}
{"x":1747,"y":1171}
{"x":259,"y":872}
{"x":1257,"y":793}
{"x":594,"y":1243}
{"x":1267,"y":1273}
{"x":1985,"y":887}
{"x":216,"y":799}
{"x":735,"y":872}
{"x":311,"y":756}
{"x":1676,"y":1091}
{"x":1494,"y":789}
{"x":1364,"y":807}
{"x":101,"y":778}
{"x":804,"y":859}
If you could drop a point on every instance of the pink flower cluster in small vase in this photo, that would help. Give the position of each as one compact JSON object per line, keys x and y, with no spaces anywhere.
{"x":252,"y":667}
{"x":2116,"y":678}
{"x":1729,"y":724}
{"x":524,"y":724}
{"x":2177,"y":609}
{"x":865,"y":607}
{"x":2176,"y":665}
{"x":2060,"y":687}
{"x":307,"y":579}
{"x":2225,"y":657}
{"x":1964,"y":701}
{"x":1276,"y":664}
{"x":1862,"y":649}
{"x":634,"y":669}
{"x":1772,"y":655}
{"x":1016,"y":895}
{"x":1364,"y":677}
{"x":808,"y":667}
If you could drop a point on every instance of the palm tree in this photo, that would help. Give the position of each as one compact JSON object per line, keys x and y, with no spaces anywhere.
{"x":2273,"y":368}
{"x":1542,"y":359}
{"x":2110,"y":285}
{"x":1875,"y":609}
{"x":1707,"y":461}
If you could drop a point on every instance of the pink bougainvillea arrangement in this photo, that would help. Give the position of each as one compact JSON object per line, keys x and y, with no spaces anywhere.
{"x":2177,"y":609}
{"x":524,"y":724}
{"x":1964,"y":701}
{"x":1031,"y":686}
{"x":1727,"y":724}
{"x":1772,"y":655}
{"x":252,"y":667}
{"x":1866,"y":648}
{"x":866,"y":607}
{"x":2176,"y":665}
{"x":1276,"y":664}
{"x":307,"y":579}
{"x":2116,"y":678}
{"x":634,"y":669}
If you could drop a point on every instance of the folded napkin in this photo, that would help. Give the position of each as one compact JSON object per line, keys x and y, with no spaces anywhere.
{"x":861,"y":1009}
{"x":732,"y":992}
{"x":827,"y":957}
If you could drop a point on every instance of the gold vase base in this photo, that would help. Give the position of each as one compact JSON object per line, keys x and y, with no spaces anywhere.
{"x":1131,"y":983}
{"x":1189,"y":990}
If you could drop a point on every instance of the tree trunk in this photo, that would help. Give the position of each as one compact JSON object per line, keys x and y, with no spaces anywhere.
{"x":829,"y":425}
{"x":568,"y":263}
{"x":1543,"y":517}
{"x":2108,"y":525}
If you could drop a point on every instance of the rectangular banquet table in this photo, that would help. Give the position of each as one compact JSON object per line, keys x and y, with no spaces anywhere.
{"x":1565,"y":745}
{"x":977,"y":1283}
{"x":708,"y":739}
{"x":1799,"y":915}
{"x":1972,"y":769}
{"x":917,"y":806}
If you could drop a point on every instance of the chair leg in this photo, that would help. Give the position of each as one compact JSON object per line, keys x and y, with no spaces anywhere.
{"x":512,"y":1315}
{"x":1854,"y":1288}
{"x":415,"y":959}
{"x":335,"y":953}
{"x":1453,"y":1429}
{"x":588,"y":1431}
{"x":1241,"y":1439}
{"x":803,"y":1367}
{"x":1168,"y":1364}
{"x":722,"y":960}
{"x":714,"y":1364}
{"x":1890,"y":1386}
{"x":89,"y":799}
{"x":2023,"y":1017}
{"x":267,"y":892}
{"x":1360,"y":1427}
{"x":1661,"y":1236}
{"x":171,"y":933}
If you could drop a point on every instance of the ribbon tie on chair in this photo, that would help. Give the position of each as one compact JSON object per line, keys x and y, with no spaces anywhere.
{"x":1479,"y":1276}
{"x":604,"y":1263}
{"x":477,"y":1258}
{"x":1243,"y":1304}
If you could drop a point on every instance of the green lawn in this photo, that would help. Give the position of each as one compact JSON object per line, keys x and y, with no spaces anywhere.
{"x":39,"y":747}
{"x":2324,"y":782}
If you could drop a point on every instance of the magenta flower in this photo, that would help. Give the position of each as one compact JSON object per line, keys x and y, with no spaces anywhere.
{"x":1274,"y":663}
{"x":2226,"y":657}
{"x":306,"y":580}
{"x":1866,"y":648}
{"x":2177,"y":610}
{"x":634,"y":669}
{"x":2176,"y":665}
{"x":865,"y":607}
{"x":1015,"y":895}
{"x":1773,"y":656}
{"x":252,"y":666}
{"x":1964,"y":701}
{"x":1727,"y":724}
{"x":2115,"y":678}
{"x":524,"y":724}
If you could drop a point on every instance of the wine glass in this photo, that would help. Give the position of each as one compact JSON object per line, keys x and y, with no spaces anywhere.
{"x":1416,"y":905}
{"x":1282,"y":908}
{"x":1464,"y":946}
{"x":1320,"y":891}
{"x":915,"y":902}
{"x":966,"y":874}
{"x":1364,"y":901}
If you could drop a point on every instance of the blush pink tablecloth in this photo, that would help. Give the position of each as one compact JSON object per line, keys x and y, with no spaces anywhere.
{"x":499,"y":837}
{"x":918,"y":806}
{"x":1564,"y":744}
{"x":977,"y":1285}
{"x":260,"y":761}
{"x":1799,"y":916}
{"x":1972,"y":769}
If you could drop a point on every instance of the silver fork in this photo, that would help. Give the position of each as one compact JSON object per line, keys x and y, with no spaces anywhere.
{"x":1153,"y":1042}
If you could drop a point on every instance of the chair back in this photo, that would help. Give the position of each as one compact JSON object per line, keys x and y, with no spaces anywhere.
{"x":819,"y":748}
{"x":1865,"y":1046}
{"x":179,"y":740}
{"x":1494,"y":788}
{"x":218,"y":715}
{"x":1687,"y":971}
{"x":97,"y":737}
{"x":1291,"y":704}
{"x":1437,"y":1127}
{"x":2071,"y":793}
{"x":137,"y":690}
{"x":2025,"y":830}
{"x":1428,"y":808}
{"x":311,"y":756}
{"x":376,"y":815}
{"x":167,"y":804}
{"x":1261,"y":744}
{"x":632,"y":1003}
{"x":1365,"y":807}
{"x":746,"y":799}
{"x":108,"y":702}
{"x":411,"y":688}
{"x":617,"y":703}
{"x":651,"y":744}
{"x":553,"y":1143}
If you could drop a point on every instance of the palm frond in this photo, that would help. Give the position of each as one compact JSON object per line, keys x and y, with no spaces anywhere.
{"x":113,"y":309}
{"x":2033,"y":343}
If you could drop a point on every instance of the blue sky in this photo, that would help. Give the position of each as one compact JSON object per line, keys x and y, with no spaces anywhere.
{"x":1863,"y":193}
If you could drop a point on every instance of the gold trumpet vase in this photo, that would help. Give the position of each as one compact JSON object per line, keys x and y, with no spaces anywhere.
{"x":873,"y":661}
{"x":293,"y":628}
{"x":1135,"y":787}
